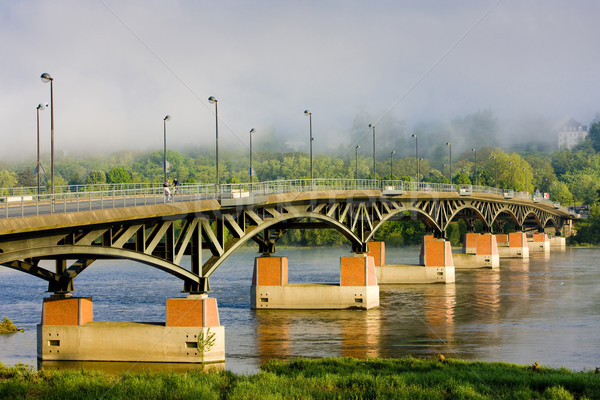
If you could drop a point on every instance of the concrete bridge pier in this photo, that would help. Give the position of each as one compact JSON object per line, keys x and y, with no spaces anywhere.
{"x":191,"y":334}
{"x":479,"y":251}
{"x":512,"y":245}
{"x":539,"y":243}
{"x":558,"y":243}
{"x":357,"y":288}
{"x":436,"y":264}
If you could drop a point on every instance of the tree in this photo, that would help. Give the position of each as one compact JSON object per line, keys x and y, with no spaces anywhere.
{"x":118,"y":175}
{"x":8,"y":179}
{"x":594,"y":135}
{"x":96,"y":177}
{"x":27,"y":178}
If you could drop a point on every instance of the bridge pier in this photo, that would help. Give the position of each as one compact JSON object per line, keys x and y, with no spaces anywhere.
{"x":539,"y":243}
{"x":191,"y":334}
{"x":512,"y":245}
{"x":357,"y":288}
{"x":479,"y":251}
{"x":436,"y":264}
{"x":558,"y":243}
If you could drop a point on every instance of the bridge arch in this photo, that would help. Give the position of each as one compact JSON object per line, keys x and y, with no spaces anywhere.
{"x":216,"y":260}
{"x":466,"y":206}
{"x":428,"y":220}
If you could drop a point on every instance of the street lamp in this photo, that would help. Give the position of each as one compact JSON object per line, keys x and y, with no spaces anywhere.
{"x":525,"y":175}
{"x":373,"y":128}
{"x":417,"y":155}
{"x":38,"y":109}
{"x":512,"y":172}
{"x":356,"y":158}
{"x":212,"y":100}
{"x":475,"y":151}
{"x":45,"y":77}
{"x":450,"y":159}
{"x":392,"y":163}
{"x":165,"y":119}
{"x":309,"y":114}
{"x":251,"y":170}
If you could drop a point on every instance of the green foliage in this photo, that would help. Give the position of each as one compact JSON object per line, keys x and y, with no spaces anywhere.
{"x":594,"y":135}
{"x":406,"y":378}
{"x":206,"y":341}
{"x":7,"y":326}
{"x":8,"y":179}
{"x":96,"y":177}
{"x":118,"y":175}
{"x":588,"y":230}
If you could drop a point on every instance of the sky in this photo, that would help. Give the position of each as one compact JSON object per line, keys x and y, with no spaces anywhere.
{"x":120,"y":66}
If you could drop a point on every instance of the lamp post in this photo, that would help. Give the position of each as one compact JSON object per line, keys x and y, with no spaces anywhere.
{"x":309,"y":114}
{"x":475,"y":151}
{"x":165,"y":119}
{"x":212,"y":100}
{"x":417,"y":155}
{"x":45,"y":77}
{"x":392,"y":163}
{"x":374,"y":166}
{"x":512,"y":175}
{"x":356,"y":161}
{"x":525,"y":175}
{"x":450,"y":159}
{"x":251,"y":170}
{"x":38,"y":109}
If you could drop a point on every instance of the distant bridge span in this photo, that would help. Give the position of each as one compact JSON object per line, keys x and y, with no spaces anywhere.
{"x":160,"y":234}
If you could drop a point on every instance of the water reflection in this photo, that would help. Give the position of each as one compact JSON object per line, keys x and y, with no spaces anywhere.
{"x":313,"y":333}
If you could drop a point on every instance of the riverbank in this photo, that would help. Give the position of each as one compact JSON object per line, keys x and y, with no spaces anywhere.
{"x":406,"y":378}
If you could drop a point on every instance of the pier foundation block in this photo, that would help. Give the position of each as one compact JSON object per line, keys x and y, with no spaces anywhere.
{"x":479,"y":251}
{"x":191,"y":334}
{"x":539,"y":243}
{"x":513,"y":245}
{"x":436,"y":265}
{"x":357,"y":287}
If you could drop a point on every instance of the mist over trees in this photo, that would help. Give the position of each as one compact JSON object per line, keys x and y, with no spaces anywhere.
{"x":479,"y":155}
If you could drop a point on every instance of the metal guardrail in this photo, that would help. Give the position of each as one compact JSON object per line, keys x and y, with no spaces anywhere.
{"x":24,"y":201}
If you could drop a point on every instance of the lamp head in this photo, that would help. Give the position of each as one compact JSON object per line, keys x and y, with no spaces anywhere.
{"x":472,"y":149}
{"x":252,"y":130}
{"x":371,"y":126}
{"x":42,"y":106}
{"x":448,"y":144}
{"x":413,"y":135}
{"x":357,"y":147}
{"x":45,"y":77}
{"x":212,"y":100}
{"x":306,"y":112}
{"x":167,"y":118}
{"x":393,"y":152}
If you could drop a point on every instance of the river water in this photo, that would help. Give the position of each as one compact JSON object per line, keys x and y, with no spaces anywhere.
{"x":545,"y":309}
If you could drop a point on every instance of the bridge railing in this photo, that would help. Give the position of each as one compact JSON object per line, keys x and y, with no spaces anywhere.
{"x":25,"y":201}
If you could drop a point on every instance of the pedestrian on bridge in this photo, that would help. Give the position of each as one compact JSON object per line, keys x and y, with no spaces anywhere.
{"x":167,"y":192}
{"x":175,"y":186}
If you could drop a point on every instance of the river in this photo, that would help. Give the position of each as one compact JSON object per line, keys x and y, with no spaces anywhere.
{"x":545,"y":309}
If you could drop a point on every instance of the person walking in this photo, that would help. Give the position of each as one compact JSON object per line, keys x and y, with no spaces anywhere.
{"x":167,"y":192}
{"x":175,"y":186}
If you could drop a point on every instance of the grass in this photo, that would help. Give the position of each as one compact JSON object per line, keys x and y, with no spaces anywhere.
{"x":7,"y":326}
{"x":326,"y":378}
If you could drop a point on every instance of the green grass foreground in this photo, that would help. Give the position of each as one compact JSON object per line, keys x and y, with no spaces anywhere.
{"x":326,"y":378}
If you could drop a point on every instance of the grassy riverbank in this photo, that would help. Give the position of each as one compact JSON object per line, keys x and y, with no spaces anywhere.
{"x":407,"y":378}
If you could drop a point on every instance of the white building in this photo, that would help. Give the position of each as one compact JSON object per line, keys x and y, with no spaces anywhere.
{"x":571,"y":134}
